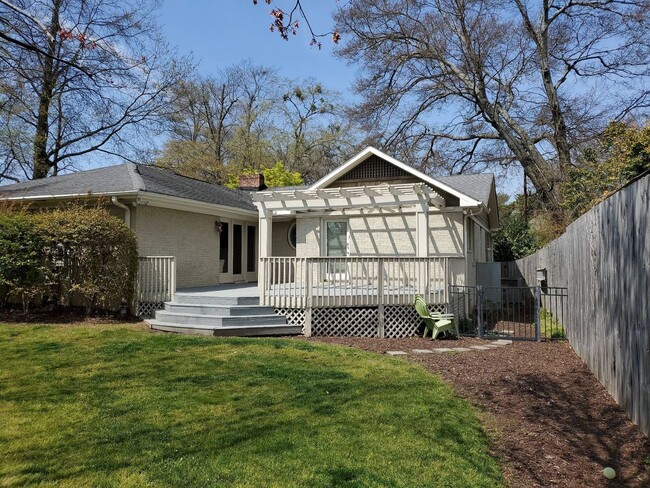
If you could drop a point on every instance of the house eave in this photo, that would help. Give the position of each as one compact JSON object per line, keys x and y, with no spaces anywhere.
{"x":188,"y":205}
{"x":141,"y":197}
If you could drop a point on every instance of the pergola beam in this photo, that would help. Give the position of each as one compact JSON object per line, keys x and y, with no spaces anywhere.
{"x":351,"y":197}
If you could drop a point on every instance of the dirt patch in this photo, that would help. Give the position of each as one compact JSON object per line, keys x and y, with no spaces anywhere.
{"x":548,"y":418}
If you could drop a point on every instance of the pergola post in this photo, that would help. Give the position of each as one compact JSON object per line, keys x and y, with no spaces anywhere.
{"x":422,"y":231}
{"x":266,"y":234}
{"x":264,"y":246}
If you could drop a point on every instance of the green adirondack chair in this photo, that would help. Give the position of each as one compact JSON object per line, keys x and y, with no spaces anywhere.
{"x":436,"y":323}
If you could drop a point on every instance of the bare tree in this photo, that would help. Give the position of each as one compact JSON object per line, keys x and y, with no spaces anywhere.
{"x":106,"y":106}
{"x":317,"y":134}
{"x":249,"y":117}
{"x":481,"y":82}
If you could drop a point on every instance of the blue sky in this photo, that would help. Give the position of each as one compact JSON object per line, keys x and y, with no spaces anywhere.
{"x":221,"y":33}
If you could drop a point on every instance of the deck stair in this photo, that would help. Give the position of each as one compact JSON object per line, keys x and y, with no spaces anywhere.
{"x":209,"y":312}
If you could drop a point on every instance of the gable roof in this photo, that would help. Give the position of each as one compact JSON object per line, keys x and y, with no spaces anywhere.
{"x":124,"y":179}
{"x":478,"y":186}
{"x":466,"y":200}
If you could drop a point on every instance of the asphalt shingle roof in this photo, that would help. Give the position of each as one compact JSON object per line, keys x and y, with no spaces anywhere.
{"x":477,"y":186}
{"x":129,"y":177}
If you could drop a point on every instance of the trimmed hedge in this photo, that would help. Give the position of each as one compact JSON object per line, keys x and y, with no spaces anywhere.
{"x":69,"y":254}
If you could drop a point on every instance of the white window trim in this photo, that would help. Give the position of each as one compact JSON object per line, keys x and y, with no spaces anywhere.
{"x":324,"y":235}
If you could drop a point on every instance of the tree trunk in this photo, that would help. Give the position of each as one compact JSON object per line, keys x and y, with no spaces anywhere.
{"x":42,"y":163}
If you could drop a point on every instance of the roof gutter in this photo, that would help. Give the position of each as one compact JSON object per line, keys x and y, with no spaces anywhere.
{"x":70,"y":195}
{"x":127,"y":210}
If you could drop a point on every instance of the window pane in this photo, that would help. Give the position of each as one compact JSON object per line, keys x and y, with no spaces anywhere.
{"x":237,"y":251}
{"x":250,"y":250}
{"x":337,"y":238}
{"x":223,"y":246}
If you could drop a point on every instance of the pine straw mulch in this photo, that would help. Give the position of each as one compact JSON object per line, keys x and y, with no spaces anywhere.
{"x":548,"y":418}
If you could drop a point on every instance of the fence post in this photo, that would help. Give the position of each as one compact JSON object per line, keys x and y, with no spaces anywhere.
{"x":380,"y":298}
{"x":479,"y":310}
{"x":538,"y":302}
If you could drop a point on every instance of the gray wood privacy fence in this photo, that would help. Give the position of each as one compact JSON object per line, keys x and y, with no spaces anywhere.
{"x":604,"y":260}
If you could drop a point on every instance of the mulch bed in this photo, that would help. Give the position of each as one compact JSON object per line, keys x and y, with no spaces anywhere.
{"x":547,"y":416}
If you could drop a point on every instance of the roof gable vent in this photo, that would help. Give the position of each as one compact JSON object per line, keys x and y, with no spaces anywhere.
{"x":374,"y":168}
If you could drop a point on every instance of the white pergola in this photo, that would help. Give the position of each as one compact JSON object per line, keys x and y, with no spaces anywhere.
{"x":291,"y":201}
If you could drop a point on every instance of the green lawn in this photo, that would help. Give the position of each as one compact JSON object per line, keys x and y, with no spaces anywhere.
{"x":115,"y":405}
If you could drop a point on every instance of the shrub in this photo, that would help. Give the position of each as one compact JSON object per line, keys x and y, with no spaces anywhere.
{"x":76,"y":251}
{"x":23,"y":271}
{"x":93,"y":255}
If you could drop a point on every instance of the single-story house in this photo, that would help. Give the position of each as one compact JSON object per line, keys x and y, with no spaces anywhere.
{"x":352,"y":249}
{"x":210,"y":230}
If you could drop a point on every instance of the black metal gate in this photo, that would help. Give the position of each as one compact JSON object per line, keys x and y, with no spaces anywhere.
{"x":523,"y":313}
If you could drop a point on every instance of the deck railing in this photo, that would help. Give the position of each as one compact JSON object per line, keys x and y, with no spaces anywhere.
{"x":292,"y":282}
{"x":156,"y":282}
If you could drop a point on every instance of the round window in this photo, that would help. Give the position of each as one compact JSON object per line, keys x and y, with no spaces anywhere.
{"x":291,"y":235}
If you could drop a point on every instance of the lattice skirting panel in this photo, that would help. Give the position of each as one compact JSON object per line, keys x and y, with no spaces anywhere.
{"x":352,"y":322}
{"x":399,"y":321}
{"x":295,"y":316}
{"x":404,"y":321}
{"x":147,"y":310}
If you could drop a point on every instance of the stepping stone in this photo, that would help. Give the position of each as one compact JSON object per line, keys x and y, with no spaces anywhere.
{"x":422,"y":351}
{"x":396,"y":353}
{"x":441,"y":349}
{"x":502,"y":342}
{"x":460,"y":349}
{"x":492,"y":346}
{"x":480,"y":348}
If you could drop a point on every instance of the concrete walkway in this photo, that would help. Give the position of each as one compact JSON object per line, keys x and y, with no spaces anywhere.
{"x":492,"y":345}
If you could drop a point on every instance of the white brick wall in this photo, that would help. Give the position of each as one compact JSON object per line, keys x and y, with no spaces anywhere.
{"x":386,"y":235}
{"x":446,"y":234}
{"x":191,"y":237}
{"x":308,"y":237}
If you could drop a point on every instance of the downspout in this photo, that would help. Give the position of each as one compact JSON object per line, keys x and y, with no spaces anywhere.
{"x":127,"y":210}
{"x":467,"y":222}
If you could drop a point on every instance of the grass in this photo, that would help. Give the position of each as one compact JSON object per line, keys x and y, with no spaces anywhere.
{"x":115,"y":405}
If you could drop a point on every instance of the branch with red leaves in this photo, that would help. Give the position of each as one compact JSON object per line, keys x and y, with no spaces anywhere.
{"x":34,"y":47}
{"x":287,"y":24}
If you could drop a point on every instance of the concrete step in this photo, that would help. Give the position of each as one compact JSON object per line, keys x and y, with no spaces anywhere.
{"x":218,"y":320}
{"x":206,"y":299}
{"x":252,"y":330}
{"x":203,"y":309}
